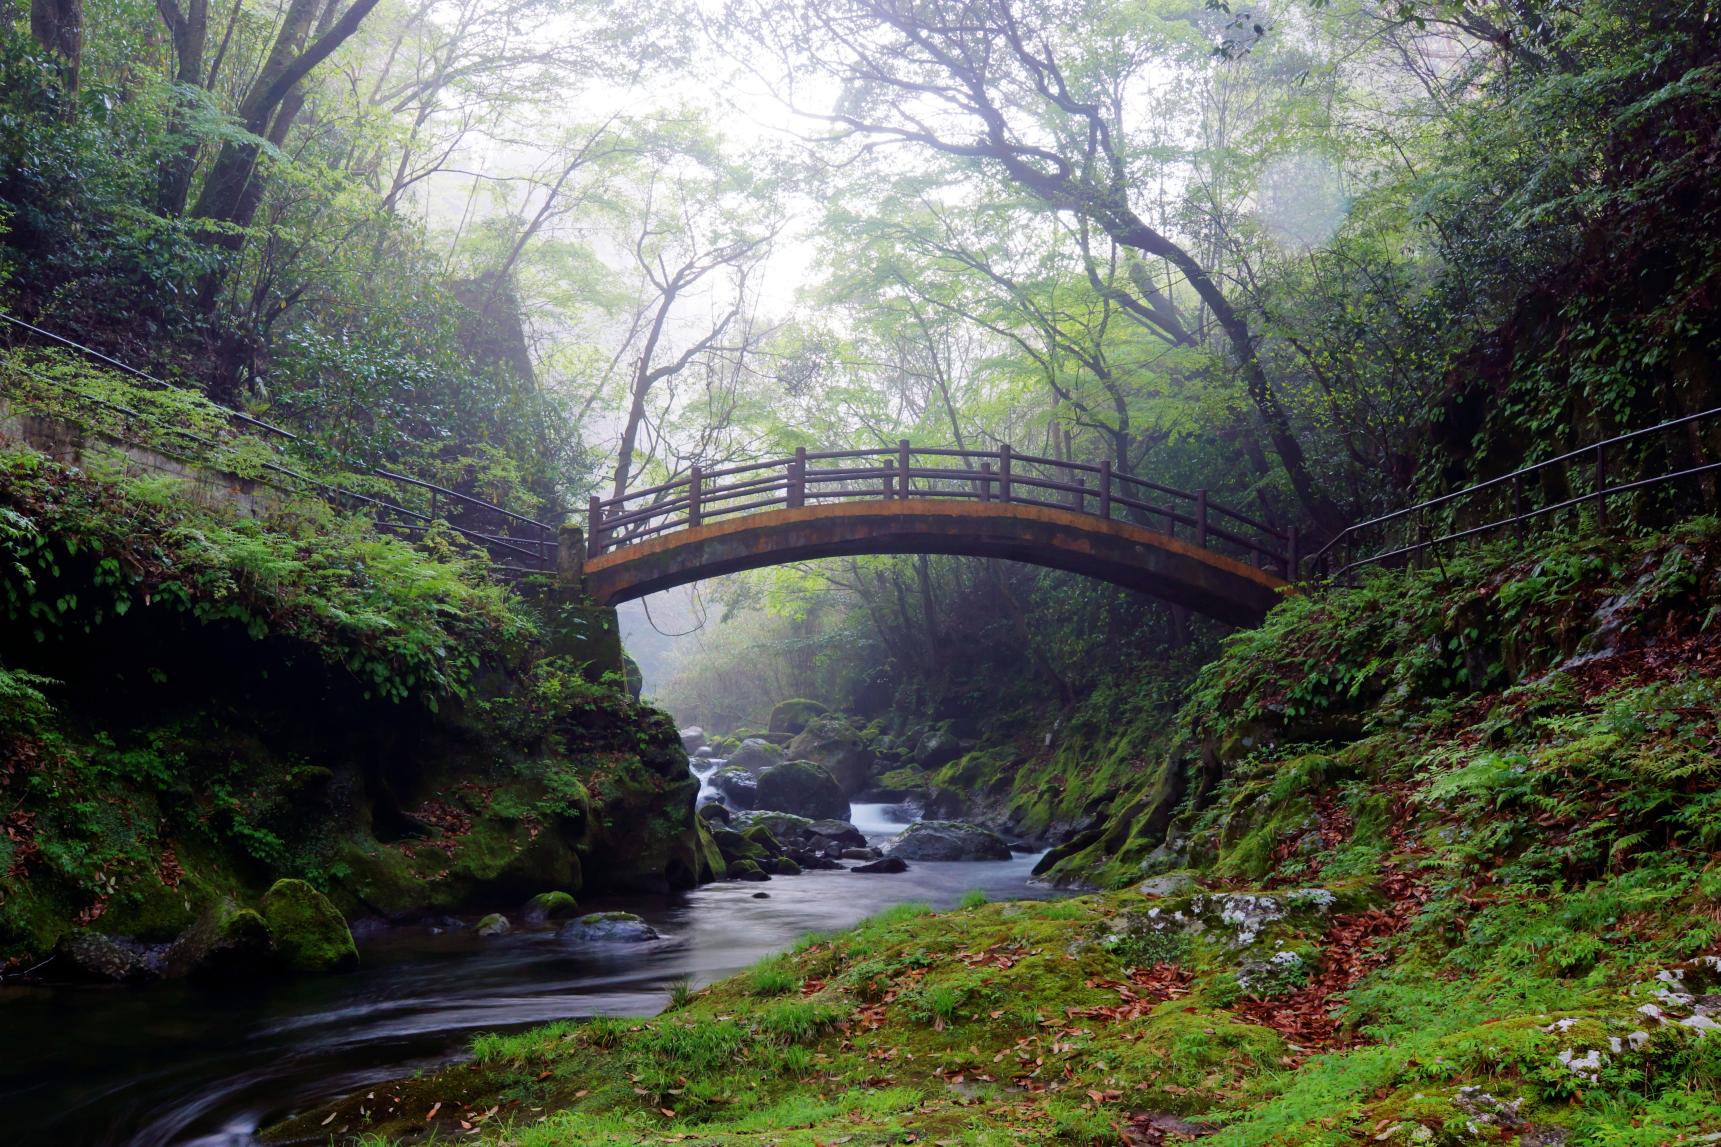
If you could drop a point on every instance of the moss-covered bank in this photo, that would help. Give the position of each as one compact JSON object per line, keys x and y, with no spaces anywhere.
{"x":193,"y":705}
{"x":1443,"y":865}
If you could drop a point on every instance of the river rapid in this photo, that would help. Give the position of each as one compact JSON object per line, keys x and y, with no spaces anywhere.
{"x":180,"y":1064}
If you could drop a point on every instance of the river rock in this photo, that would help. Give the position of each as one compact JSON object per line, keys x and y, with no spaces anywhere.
{"x":859,"y":854}
{"x":794,"y":715}
{"x":310,"y":934}
{"x":1171,"y":884}
{"x":227,"y":941}
{"x":738,"y":786}
{"x":747,"y":870}
{"x":888,"y":864}
{"x":948,"y":840}
{"x":692,"y":738}
{"x":547,"y":906}
{"x":494,"y":924}
{"x":832,"y":742}
{"x":608,"y":928}
{"x":114,"y":958}
{"x":703,"y":753}
{"x":785,"y":866}
{"x":936,"y":749}
{"x":761,"y":836}
{"x":755,"y":755}
{"x":715,"y":812}
{"x":801,"y":787}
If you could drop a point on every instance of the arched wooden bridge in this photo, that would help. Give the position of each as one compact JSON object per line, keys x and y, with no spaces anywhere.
{"x":1174,"y":544}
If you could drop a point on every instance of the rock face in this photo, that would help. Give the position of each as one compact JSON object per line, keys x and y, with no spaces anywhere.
{"x":832,"y":742}
{"x":309,"y":934}
{"x":948,"y":840}
{"x":794,"y":715}
{"x":801,"y":787}
{"x":608,"y":928}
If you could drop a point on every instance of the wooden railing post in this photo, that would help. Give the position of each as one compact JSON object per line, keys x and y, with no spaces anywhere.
{"x":594,"y":527}
{"x":1201,"y":518}
{"x":1079,"y":496}
{"x":889,"y":487}
{"x":693,"y":476}
{"x":1601,"y":487}
{"x":1004,"y":472}
{"x":798,"y":478}
{"x":1105,"y":489}
{"x":985,"y":481}
{"x":902,"y":449}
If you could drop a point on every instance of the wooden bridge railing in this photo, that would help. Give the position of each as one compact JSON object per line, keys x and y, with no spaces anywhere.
{"x":908,"y":472}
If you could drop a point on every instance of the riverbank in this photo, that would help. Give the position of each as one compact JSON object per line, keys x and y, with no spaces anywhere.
{"x":196,"y":703}
{"x":1434,"y":860}
{"x":202,"y":1064}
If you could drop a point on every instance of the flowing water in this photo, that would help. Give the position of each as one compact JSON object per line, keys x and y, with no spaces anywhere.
{"x":179,"y":1064}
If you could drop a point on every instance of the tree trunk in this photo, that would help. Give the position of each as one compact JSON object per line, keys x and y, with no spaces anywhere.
{"x":58,"y":25}
{"x":189,"y":30}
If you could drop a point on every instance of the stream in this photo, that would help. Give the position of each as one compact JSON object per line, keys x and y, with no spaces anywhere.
{"x":178,"y":1064}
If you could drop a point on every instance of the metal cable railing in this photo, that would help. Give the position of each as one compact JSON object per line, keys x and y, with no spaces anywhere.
{"x":1592,"y":476}
{"x":517,"y":544}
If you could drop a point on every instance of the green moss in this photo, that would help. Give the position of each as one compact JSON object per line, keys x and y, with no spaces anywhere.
{"x":308,"y":933}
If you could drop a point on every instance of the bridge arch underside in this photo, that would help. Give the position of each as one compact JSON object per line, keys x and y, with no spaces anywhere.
{"x":1118,"y":552}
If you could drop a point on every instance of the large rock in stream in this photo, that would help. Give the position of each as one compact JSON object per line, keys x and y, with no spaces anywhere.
{"x":801,"y":787}
{"x":831,"y":741}
{"x":608,"y":928}
{"x":310,"y":934}
{"x":948,"y":840}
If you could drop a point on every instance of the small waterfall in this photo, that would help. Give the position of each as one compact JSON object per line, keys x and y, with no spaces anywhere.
{"x":703,"y":767}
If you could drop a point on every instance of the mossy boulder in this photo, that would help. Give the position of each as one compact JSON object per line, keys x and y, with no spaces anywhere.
{"x":761,"y":836}
{"x":747,"y":870}
{"x":804,"y":788}
{"x":793,"y":715}
{"x":547,"y":906}
{"x":738,"y":786}
{"x":608,"y":928}
{"x":712,"y":863}
{"x":735,"y":846}
{"x":494,"y":924}
{"x":831,"y":741}
{"x":948,"y":840}
{"x":755,"y":755}
{"x":309,"y":934}
{"x":783,"y":866}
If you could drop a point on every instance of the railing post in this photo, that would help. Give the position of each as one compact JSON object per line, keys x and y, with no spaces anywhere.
{"x":985,"y":481}
{"x":1079,"y":496}
{"x":889,"y":488}
{"x":1518,"y":506}
{"x":1004,"y":472}
{"x":1601,"y":487}
{"x":902,"y":467}
{"x":1105,"y":488}
{"x":1291,"y":555}
{"x":693,"y":476}
{"x":798,"y":478}
{"x":594,"y":527}
{"x":1201,"y":518}
{"x":433,"y":505}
